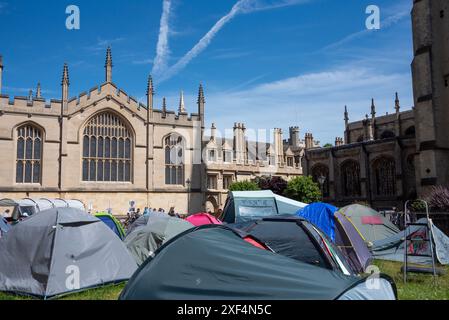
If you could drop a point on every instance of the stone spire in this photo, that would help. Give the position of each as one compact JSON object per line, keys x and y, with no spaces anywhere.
{"x":373,"y":109}
{"x":65,"y":86}
{"x":397,"y":104}
{"x":201,"y":104}
{"x":346,"y":116}
{"x":150,"y":93}
{"x":373,"y":121}
{"x":108,"y":66}
{"x":1,"y":73}
{"x":38,"y":91}
{"x":182,"y":105}
{"x":164,"y":107}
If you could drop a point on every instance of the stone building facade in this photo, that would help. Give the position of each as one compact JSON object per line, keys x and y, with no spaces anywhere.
{"x":386,"y":160}
{"x":105,"y":148}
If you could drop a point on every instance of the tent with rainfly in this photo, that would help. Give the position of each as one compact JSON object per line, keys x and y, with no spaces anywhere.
{"x":60,"y":251}
{"x":393,"y":248}
{"x":371,"y":225}
{"x":213,"y":263}
{"x":4,"y":226}
{"x":201,"y":219}
{"x":296,"y":238}
{"x":112,"y":223}
{"x":341,"y":231}
{"x":144,"y":240}
{"x":244,"y":206}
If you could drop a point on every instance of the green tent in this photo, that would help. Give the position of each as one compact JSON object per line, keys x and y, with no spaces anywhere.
{"x":112,"y":224}
{"x":214,"y":263}
{"x":371,"y":225}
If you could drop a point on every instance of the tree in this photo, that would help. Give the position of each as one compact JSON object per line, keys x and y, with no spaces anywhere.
{"x":303,"y":189}
{"x":328,"y":145}
{"x":244,"y":186}
{"x":275,"y":184}
{"x":438,"y":199}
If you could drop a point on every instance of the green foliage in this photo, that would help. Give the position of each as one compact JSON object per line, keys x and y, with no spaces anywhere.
{"x":275,"y":184}
{"x":303,"y":189}
{"x":244,"y":186}
{"x":418,"y":206}
{"x":328,"y":145}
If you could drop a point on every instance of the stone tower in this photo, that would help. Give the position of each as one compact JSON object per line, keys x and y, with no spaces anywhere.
{"x":430,"y":68}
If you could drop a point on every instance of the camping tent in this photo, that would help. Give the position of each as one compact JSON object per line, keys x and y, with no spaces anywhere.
{"x":393,"y":248}
{"x":214,"y":263}
{"x":30,"y":207}
{"x":60,"y":251}
{"x":371,"y":225}
{"x":341,"y":231}
{"x":143,"y":220}
{"x":4,"y":226}
{"x":112,"y":224}
{"x":201,"y":219}
{"x":143,"y":241}
{"x":298,"y":239}
{"x":244,"y":206}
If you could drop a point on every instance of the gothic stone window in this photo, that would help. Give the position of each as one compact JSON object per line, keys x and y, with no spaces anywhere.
{"x":321,"y":170}
{"x":29,"y":154}
{"x":174,"y":160}
{"x":350,"y":174}
{"x":384,"y":177}
{"x":107,"y":149}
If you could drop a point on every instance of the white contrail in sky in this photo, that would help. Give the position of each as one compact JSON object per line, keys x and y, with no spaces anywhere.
{"x":241,"y":7}
{"x":204,"y":42}
{"x":163,"y":50}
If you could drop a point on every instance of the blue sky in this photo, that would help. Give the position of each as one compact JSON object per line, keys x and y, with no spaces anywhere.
{"x":267,"y":63}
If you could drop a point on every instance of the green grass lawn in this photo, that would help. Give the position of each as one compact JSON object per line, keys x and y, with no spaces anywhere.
{"x":419,"y":287}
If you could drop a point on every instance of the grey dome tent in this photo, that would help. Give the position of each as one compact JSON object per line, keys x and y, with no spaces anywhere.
{"x":213,"y":263}
{"x":393,"y":248}
{"x":298,"y":239}
{"x":144,"y":240}
{"x":59,"y":251}
{"x":4,"y":226}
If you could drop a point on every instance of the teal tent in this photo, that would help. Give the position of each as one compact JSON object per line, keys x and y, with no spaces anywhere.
{"x":214,"y":263}
{"x":243,"y":206}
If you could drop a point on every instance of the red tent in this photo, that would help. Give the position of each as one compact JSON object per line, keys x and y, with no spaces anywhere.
{"x":201,"y":219}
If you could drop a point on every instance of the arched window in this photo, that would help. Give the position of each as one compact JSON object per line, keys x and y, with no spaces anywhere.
{"x":107,"y":149}
{"x":29,"y":154}
{"x":350,"y":173}
{"x":387,"y":134}
{"x":410,"y":132}
{"x":321,"y":172}
{"x":384,"y":171}
{"x":174,"y":160}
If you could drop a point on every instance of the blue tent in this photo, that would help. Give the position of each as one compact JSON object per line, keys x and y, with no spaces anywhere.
{"x":321,"y":215}
{"x":112,"y":224}
{"x":4,"y":226}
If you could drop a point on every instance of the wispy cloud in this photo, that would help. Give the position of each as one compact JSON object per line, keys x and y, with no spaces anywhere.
{"x":315,"y":101}
{"x":102,"y":44}
{"x":143,"y":62}
{"x":3,"y":6}
{"x":241,"y":7}
{"x":163,"y":50}
{"x":231,"y":54}
{"x":388,"y":22}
